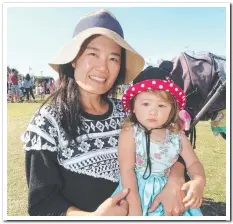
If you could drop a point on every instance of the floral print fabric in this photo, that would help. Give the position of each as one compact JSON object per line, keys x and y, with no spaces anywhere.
{"x":163,"y":155}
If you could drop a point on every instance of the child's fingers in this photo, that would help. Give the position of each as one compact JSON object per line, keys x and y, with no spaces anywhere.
{"x":188,"y":197}
{"x":195,"y":203}
{"x":185,"y":186}
{"x":190,"y":203}
{"x":200,"y":203}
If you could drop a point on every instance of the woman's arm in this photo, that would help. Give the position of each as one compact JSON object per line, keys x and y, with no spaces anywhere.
{"x":44,"y":184}
{"x":114,"y":206}
{"x":126,"y":157}
{"x":42,"y":169}
{"x":45,"y":197}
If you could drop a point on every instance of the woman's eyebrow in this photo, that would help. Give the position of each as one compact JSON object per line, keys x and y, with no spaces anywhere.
{"x":92,"y":48}
{"x":97,"y":49}
{"x":116,"y":54}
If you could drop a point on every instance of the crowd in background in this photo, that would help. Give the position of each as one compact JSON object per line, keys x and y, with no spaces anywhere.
{"x":20,"y":89}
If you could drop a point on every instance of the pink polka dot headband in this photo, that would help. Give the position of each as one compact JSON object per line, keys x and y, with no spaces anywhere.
{"x":154,"y":84}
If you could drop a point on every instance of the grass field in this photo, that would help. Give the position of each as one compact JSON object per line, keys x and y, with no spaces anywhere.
{"x":210,"y":149}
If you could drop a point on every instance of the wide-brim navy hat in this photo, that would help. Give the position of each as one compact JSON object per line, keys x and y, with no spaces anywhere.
{"x":100,"y":22}
{"x":154,"y":78}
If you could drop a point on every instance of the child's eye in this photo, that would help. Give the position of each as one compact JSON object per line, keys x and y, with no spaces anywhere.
{"x":145,"y":104}
{"x":162,"y":106}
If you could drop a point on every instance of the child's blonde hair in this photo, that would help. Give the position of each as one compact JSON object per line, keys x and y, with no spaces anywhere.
{"x":173,"y":123}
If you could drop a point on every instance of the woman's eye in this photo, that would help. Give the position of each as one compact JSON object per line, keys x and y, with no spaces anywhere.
{"x":114,"y":59}
{"x":93,"y":54}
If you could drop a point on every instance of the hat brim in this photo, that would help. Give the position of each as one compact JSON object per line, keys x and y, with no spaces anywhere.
{"x":134,"y":61}
{"x":153,"y":84}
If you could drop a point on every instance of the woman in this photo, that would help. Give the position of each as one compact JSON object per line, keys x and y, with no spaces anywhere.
{"x":71,"y":143}
{"x":28,"y":85}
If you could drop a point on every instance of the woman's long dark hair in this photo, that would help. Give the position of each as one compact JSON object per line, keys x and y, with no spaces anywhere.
{"x":67,"y":96}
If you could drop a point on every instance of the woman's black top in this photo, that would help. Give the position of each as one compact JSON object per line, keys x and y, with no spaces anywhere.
{"x":81,"y":175}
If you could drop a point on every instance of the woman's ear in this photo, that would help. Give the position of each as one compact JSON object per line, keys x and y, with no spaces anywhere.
{"x":73,"y":64}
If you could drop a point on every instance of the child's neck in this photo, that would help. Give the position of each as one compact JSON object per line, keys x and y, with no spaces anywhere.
{"x":158,"y":134}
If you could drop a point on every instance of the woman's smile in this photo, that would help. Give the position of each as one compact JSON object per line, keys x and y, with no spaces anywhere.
{"x":98,"y":79}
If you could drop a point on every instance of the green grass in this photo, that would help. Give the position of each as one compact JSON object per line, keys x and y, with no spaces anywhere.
{"x":210,"y":149}
{"x":18,"y":116}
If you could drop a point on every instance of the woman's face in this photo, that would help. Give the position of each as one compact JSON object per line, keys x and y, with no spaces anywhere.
{"x":97,"y":68}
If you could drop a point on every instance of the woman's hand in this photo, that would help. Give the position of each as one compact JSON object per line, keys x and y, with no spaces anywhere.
{"x":195,"y":193}
{"x":114,"y":206}
{"x":171,"y":196}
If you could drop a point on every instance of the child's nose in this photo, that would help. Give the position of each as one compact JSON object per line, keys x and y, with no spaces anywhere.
{"x":153,"y":112}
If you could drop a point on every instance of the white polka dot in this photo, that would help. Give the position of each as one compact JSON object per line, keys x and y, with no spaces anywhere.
{"x":171,"y":85}
{"x":153,"y":82}
{"x":139,"y":91}
{"x":167,"y":90}
{"x":131,"y":94}
{"x":180,"y":93}
{"x":123,"y":102}
{"x":149,"y":88}
{"x":133,"y":89}
{"x":164,"y":81}
{"x":160,"y":86}
{"x":182,"y":104}
{"x":183,"y":97}
{"x":142,"y":85}
{"x":124,"y":98}
{"x":176,"y":89}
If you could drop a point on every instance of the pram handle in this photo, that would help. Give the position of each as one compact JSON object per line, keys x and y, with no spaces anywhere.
{"x":220,"y":89}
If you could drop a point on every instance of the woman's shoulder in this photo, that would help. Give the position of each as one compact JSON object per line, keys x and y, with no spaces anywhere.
{"x":117,"y":107}
{"x":49,"y":113}
{"x":115,"y":101}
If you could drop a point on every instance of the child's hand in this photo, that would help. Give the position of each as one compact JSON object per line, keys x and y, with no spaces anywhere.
{"x":194,"y":195}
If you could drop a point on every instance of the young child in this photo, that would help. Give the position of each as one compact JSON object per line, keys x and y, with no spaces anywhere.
{"x":41,"y":91}
{"x":151,"y":141}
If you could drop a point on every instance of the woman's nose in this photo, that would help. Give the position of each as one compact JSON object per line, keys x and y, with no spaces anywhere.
{"x":103,"y":66}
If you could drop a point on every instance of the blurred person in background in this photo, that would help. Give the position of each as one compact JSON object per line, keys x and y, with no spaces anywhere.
{"x":28,"y":85}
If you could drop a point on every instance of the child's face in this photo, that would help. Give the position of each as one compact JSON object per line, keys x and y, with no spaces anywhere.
{"x":151,"y":110}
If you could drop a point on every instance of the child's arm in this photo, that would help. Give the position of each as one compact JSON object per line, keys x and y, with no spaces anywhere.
{"x":196,"y":172}
{"x":126,"y":157}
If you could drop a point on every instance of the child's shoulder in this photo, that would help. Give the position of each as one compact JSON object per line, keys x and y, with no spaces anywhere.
{"x":127,"y":126}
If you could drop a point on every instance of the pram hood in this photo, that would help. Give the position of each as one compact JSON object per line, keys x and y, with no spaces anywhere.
{"x":198,"y":75}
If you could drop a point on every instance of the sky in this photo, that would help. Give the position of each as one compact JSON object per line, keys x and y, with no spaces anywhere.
{"x":36,"y":34}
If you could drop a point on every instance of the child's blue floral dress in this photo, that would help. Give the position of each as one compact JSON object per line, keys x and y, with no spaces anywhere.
{"x":163,"y":155}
